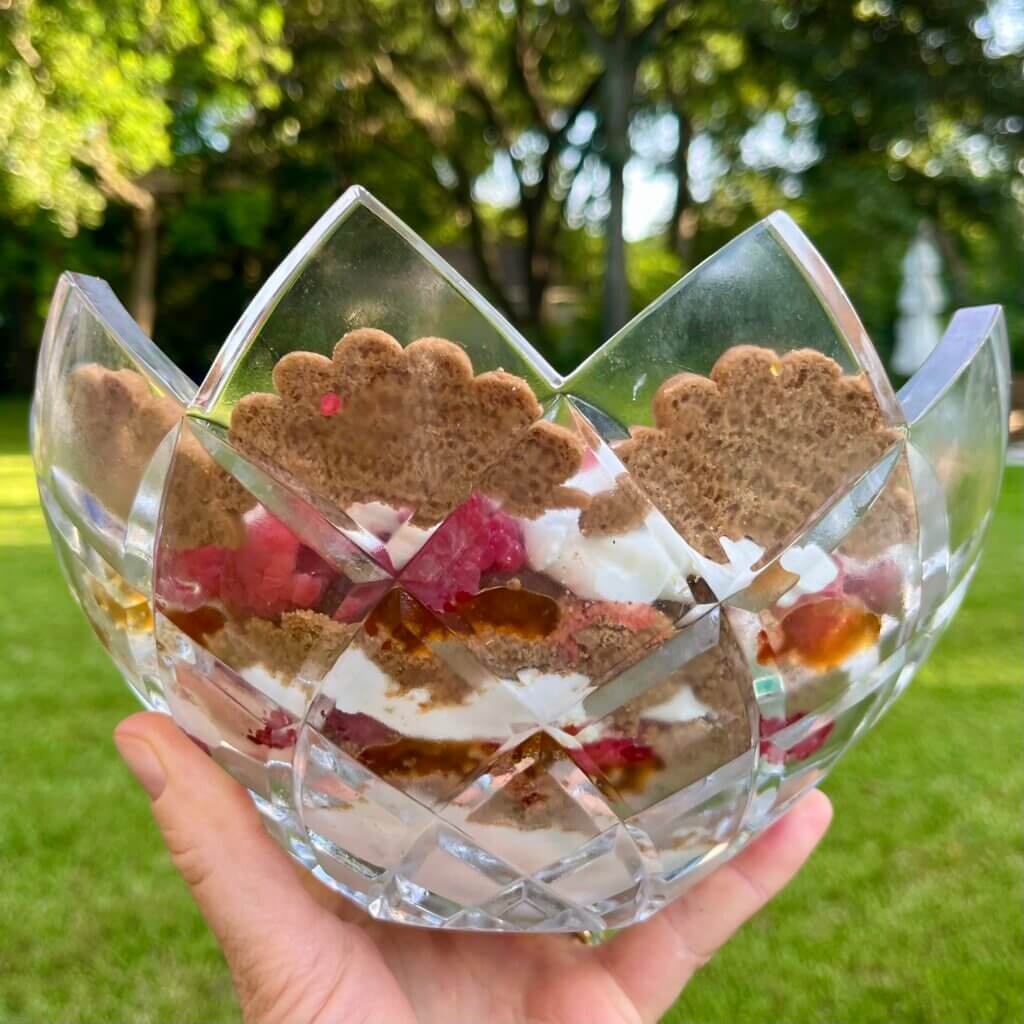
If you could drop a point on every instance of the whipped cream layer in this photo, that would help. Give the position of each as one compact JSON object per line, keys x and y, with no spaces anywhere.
{"x":357,"y":685}
{"x":391,"y":528}
{"x":648,"y":563}
{"x":294,"y":695}
{"x":813,"y":566}
{"x":634,"y":566}
{"x":683,"y":706}
{"x":630,"y":567}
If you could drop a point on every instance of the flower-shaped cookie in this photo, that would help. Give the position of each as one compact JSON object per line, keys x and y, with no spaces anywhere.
{"x":411,"y":428}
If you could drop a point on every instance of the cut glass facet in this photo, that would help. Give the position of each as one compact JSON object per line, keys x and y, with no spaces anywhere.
{"x":496,"y":650}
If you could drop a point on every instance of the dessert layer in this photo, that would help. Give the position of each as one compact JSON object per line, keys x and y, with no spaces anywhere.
{"x":527,"y":573}
{"x":754,"y":449}
{"x":411,"y":428}
{"x":119,"y":422}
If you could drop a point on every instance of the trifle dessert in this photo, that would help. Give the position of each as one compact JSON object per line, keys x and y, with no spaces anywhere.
{"x":494,"y":648}
{"x":496,"y":568}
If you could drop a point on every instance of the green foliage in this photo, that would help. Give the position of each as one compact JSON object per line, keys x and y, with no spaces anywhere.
{"x":484,"y":125}
{"x":206,"y":225}
{"x":89,"y":91}
{"x":653,"y":269}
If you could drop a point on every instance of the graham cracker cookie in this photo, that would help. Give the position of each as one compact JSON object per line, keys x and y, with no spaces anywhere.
{"x":411,"y":428}
{"x":754,"y":449}
{"x":119,"y":422}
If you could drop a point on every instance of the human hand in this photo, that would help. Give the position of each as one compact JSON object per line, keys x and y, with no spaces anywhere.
{"x":301,"y":954}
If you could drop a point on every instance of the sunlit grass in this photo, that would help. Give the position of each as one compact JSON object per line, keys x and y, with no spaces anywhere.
{"x":909,"y":914}
{"x":21,"y":522}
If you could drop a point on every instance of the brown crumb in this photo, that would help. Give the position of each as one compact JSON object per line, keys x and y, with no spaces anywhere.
{"x":406,"y":642}
{"x":301,"y":639}
{"x":532,"y":798}
{"x":204,"y":503}
{"x":618,"y":510}
{"x":118,"y":423}
{"x":593,"y":638}
{"x":720,"y":678}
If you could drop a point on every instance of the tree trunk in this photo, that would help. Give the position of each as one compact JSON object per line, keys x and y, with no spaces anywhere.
{"x":618,"y":94}
{"x":954,"y":262}
{"x":145,"y":225}
{"x":536,"y":265}
{"x":682,"y":229}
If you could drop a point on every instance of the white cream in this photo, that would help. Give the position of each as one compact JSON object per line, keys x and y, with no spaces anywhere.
{"x":815,"y":568}
{"x":682,"y":706}
{"x":737,"y":573}
{"x":293,"y":697}
{"x":653,"y":561}
{"x":381,"y":520}
{"x":724,"y":579}
{"x":406,"y":542}
{"x":357,"y":686}
{"x":549,"y":694}
{"x":631,"y":566}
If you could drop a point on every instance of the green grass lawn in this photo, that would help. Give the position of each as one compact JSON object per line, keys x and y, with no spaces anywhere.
{"x":910,"y":912}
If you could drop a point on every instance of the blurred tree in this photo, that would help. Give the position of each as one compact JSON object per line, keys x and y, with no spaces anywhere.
{"x":913,"y":111}
{"x":493,"y":96}
{"x":438,"y":95}
{"x":528,"y":114}
{"x":509,"y":132}
{"x":99,"y":99}
{"x":621,"y":47}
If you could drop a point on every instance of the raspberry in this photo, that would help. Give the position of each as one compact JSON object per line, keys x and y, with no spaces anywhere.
{"x":476,"y":538}
{"x":357,"y":730}
{"x":799,"y":751}
{"x":330,"y":404}
{"x":272,"y":572}
{"x":813,"y":743}
{"x":191,"y":578}
{"x":275,"y":732}
{"x":310,"y":563}
{"x":879,"y":586}
{"x":613,"y":752}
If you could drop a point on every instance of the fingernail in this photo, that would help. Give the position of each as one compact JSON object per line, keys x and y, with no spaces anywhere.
{"x":145,"y":765}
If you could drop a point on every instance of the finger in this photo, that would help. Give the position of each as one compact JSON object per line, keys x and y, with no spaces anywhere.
{"x":238,"y":876}
{"x":653,"y":961}
{"x":282,"y":947}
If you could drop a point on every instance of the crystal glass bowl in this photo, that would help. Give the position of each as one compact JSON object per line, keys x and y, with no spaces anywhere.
{"x":494,"y":648}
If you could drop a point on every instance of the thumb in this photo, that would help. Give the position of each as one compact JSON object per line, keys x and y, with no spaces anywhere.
{"x":286,"y":953}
